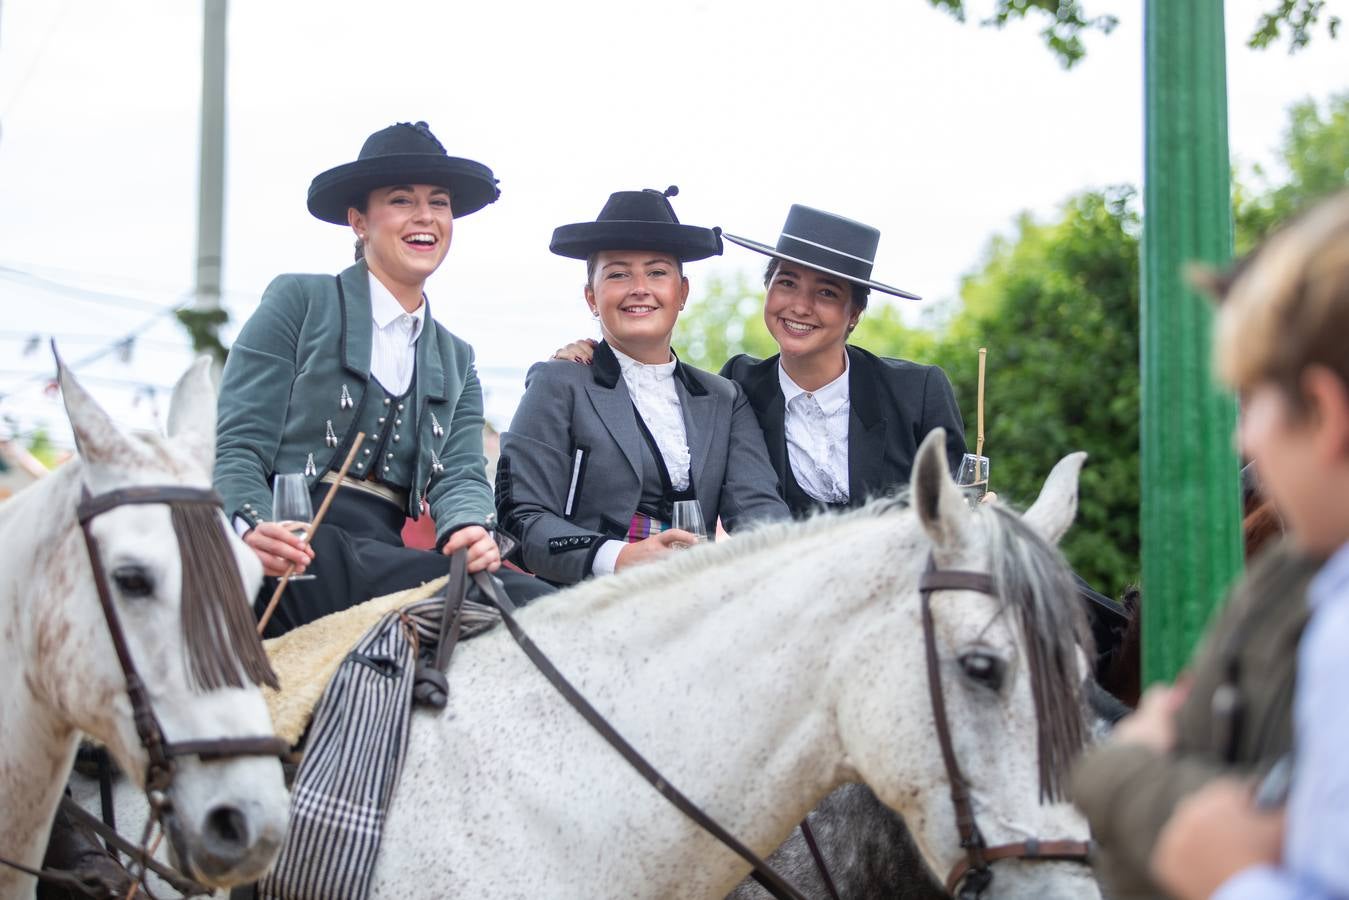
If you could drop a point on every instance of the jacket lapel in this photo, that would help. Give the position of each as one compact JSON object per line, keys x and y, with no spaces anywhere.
{"x":700,"y":409}
{"x":866,"y":431}
{"x":609,"y":396}
{"x":354,"y":284}
{"x":765,"y":395}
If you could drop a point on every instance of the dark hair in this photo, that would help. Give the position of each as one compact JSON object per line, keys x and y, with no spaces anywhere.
{"x":361,"y":204}
{"x":859,"y":295}
{"x":592,"y":262}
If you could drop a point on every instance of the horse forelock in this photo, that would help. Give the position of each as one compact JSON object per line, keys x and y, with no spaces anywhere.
{"x":1033,"y":580}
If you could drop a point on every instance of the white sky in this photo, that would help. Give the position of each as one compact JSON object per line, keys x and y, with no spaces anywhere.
{"x":886,"y":111}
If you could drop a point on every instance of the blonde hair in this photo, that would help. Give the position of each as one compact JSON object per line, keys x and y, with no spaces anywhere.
{"x":1286,"y":306}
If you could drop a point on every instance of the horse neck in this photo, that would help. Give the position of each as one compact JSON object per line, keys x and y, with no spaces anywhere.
{"x":35,"y":586}
{"x":751,"y":645}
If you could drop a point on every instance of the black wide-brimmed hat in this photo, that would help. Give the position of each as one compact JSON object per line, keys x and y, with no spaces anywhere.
{"x":830,"y":243}
{"x":406,"y":153}
{"x":637,"y":220}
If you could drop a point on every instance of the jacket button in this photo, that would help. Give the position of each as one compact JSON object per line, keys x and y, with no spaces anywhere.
{"x":396,"y":438}
{"x":386,"y":403}
{"x":388,"y":455}
{"x":381,"y":419}
{"x":386,"y":469}
{"x":366,"y":451}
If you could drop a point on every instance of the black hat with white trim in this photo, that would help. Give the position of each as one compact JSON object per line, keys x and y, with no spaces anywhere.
{"x":637,"y":220}
{"x":406,"y":153}
{"x":829,"y":243}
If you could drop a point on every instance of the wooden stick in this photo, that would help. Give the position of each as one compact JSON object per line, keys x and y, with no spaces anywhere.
{"x":318,"y":518}
{"x":979,"y":435}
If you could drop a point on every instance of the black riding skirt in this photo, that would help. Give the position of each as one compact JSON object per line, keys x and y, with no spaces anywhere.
{"x":359,"y":554}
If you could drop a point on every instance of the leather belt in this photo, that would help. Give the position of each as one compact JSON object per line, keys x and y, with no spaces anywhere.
{"x":382,"y":491}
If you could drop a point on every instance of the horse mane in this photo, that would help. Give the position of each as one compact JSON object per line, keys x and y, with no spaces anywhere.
{"x":220,"y":640}
{"x":1034,"y":582}
{"x":1030,"y":575}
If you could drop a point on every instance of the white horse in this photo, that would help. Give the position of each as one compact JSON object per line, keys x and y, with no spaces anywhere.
{"x":757,"y":675}
{"x":60,"y":677}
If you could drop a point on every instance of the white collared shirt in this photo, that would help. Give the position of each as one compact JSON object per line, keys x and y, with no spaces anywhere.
{"x":816,"y":424}
{"x":393,"y":346}
{"x":653,"y":392}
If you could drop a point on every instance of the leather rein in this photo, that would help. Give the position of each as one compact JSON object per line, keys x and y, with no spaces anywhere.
{"x":972,"y":875}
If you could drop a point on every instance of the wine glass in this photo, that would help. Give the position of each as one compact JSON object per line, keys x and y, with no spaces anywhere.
{"x":290,"y":503}
{"x":973,"y":477}
{"x":688,"y":516}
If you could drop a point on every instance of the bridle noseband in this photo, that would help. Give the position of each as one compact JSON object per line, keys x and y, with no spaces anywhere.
{"x":973,"y":874}
{"x":160,"y":751}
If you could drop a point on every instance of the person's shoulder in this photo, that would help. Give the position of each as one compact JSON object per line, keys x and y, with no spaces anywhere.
{"x":893,"y":369}
{"x":743,"y":366}
{"x":716,"y":385}
{"x":557,"y":375}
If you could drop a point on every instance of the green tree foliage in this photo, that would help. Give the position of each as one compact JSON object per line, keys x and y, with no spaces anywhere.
{"x":1315,"y":153}
{"x":1065,"y":21}
{"x":725,"y":320}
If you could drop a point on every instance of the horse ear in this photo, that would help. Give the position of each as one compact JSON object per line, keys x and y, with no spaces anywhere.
{"x":1054,"y":510}
{"x":192,"y":411}
{"x":940,"y":506}
{"x":97,"y":437}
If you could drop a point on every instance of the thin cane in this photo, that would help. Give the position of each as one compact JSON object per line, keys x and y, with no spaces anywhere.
{"x":313,"y":526}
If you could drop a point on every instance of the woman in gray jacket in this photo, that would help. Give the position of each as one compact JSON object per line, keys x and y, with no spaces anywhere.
{"x":596,"y":456}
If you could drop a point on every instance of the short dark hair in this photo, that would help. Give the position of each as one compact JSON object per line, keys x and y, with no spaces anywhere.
{"x":592,"y":263}
{"x":859,"y":292}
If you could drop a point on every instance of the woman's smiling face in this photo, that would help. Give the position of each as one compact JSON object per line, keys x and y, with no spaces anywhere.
{"x":637,"y":295}
{"x":807,"y":311}
{"x":406,"y":230}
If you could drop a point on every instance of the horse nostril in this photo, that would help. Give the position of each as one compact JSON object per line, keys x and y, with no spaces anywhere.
{"x":227,"y":825}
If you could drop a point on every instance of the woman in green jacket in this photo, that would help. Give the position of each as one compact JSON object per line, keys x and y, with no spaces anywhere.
{"x":325,"y":357}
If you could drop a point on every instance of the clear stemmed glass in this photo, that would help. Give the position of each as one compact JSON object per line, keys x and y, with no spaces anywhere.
{"x":290,"y":503}
{"x":973,"y":477}
{"x":688,"y":516}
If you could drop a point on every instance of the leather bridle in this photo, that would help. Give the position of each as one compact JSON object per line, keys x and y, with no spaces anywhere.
{"x":160,"y":751}
{"x":972,"y":875}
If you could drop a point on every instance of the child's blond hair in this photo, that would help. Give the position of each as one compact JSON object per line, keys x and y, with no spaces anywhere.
{"x":1286,"y":307}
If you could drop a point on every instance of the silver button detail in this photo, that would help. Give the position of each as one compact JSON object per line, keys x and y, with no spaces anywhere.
{"x":398,"y":421}
{"x":386,"y":401}
{"x":366,"y":451}
{"x":381,"y":420}
{"x":386,"y":468}
{"x":396,"y":438}
{"x":400,"y":407}
{"x":389,"y":456}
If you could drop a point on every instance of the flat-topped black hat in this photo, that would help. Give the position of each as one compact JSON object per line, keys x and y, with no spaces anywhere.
{"x":406,"y":153}
{"x":637,"y":220}
{"x":830,"y":243}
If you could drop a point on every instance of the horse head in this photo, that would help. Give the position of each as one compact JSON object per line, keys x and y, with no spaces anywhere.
{"x":1006,"y":643}
{"x":179,"y":582}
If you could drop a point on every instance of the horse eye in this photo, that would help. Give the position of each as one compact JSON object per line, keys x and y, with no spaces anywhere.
{"x":983,"y":668}
{"x":133,"y":581}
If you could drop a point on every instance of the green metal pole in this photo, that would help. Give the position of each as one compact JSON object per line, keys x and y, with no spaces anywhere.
{"x":1191,"y":528}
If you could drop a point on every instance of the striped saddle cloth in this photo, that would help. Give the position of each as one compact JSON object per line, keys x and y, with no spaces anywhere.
{"x":354,"y":755}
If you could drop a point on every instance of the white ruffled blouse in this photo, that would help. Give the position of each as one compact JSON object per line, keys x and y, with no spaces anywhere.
{"x":652,"y":390}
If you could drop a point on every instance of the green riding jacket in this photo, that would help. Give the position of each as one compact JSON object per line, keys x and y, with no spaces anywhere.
{"x":302,"y":362}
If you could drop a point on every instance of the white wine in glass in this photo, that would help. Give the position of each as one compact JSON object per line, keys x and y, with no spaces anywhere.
{"x":688,"y":516}
{"x":291,"y":503}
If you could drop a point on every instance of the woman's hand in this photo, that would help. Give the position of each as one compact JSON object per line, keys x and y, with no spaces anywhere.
{"x":1153,"y":724}
{"x":652,"y":548}
{"x":278,"y":547}
{"x":482,"y":548}
{"x":582,"y":351}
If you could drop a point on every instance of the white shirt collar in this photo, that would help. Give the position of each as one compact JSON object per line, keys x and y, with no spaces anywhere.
{"x":628,"y":364}
{"x":831,"y":397}
{"x":385,"y":309}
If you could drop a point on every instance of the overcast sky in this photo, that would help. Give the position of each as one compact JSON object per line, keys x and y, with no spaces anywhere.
{"x":886,"y":111}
